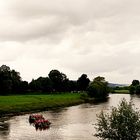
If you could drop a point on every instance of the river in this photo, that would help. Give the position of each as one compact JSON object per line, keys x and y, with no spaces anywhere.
{"x":70,"y":123}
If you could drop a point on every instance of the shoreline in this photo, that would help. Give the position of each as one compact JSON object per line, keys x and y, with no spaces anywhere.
{"x":36,"y":111}
{"x":15,"y":105}
{"x":26,"y":104}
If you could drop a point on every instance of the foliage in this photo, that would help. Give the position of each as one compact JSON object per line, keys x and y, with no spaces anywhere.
{"x":134,"y":87}
{"x":83,"y":82}
{"x":123,"y":123}
{"x":23,"y":86}
{"x":84,"y":96}
{"x":121,"y":88}
{"x":135,"y":82}
{"x":59,"y":80}
{"x":43,"y":84}
{"x":73,"y":86}
{"x":138,"y":89}
{"x":98,"y":88}
{"x":9,"y":80}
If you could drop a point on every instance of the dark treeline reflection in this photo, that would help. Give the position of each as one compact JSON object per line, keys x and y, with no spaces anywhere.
{"x":4,"y":129}
{"x":55,"y":81}
{"x":98,"y":101}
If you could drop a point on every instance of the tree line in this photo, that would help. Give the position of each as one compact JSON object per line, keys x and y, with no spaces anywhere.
{"x":56,"y":81}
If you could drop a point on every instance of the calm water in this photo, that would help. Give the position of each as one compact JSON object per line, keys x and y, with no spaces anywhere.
{"x":71,"y":123}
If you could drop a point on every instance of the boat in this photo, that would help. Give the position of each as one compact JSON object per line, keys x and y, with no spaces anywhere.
{"x":39,"y":122}
{"x":33,"y":118}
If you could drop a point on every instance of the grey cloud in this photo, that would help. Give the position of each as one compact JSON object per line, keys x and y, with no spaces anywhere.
{"x":77,"y":36}
{"x":32,"y":29}
{"x":34,"y":19}
{"x":120,"y":60}
{"x":53,"y":19}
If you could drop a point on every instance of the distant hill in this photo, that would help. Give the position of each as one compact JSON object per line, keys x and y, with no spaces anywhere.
{"x":117,"y":85}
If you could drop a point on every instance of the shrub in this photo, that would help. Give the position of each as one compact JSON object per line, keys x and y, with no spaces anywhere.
{"x":138,"y":89}
{"x":123,"y":123}
{"x":98,"y":88}
{"x":84,"y":96}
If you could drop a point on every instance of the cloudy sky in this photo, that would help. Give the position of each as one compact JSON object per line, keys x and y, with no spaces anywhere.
{"x":95,"y":37}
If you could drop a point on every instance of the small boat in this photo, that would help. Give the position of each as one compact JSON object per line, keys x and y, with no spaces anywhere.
{"x":42,"y":124}
{"x":39,"y":122}
{"x":33,"y":118}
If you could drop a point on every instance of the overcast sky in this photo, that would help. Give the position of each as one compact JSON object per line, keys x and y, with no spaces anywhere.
{"x":95,"y":37}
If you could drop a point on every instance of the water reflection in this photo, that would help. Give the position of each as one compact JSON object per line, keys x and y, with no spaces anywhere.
{"x":71,"y":123}
{"x":116,"y":98}
{"x":100,"y":101}
{"x":4,"y":129}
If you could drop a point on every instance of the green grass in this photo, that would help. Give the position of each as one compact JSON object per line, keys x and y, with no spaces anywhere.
{"x":17,"y":104}
{"x":122,"y":91}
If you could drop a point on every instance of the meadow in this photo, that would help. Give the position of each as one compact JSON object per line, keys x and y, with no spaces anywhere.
{"x":122,"y":91}
{"x":18,"y":104}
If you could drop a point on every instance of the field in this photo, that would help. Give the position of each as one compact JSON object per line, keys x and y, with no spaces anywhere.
{"x":18,"y":104}
{"x":122,"y":91}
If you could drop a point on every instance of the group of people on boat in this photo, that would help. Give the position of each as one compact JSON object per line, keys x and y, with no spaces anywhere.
{"x":39,"y":122}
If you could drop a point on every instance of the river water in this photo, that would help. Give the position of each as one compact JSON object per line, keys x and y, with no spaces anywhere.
{"x":70,"y":123}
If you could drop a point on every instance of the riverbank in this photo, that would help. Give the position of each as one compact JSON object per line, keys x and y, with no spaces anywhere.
{"x":20,"y":104}
{"x":122,"y":91}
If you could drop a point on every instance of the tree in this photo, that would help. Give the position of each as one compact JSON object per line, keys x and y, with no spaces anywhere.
{"x":83,"y":82}
{"x":9,"y":80}
{"x":24,"y":86}
{"x":135,"y":82}
{"x":98,"y":88}
{"x":138,"y":89}
{"x":73,"y":86}
{"x":134,"y":88}
{"x":33,"y":85}
{"x":16,"y":80}
{"x":4,"y":68}
{"x":123,"y":123}
{"x":43,"y":84}
{"x":58,"y":80}
{"x":5,"y":80}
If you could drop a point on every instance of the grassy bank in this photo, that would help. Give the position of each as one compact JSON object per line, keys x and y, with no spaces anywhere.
{"x":17,"y":104}
{"x":122,"y":91}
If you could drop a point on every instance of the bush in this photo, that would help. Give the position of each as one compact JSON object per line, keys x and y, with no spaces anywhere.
{"x":131,"y":89}
{"x":84,"y":96}
{"x":98,"y":88}
{"x":122,"y":124}
{"x":138,"y":89}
